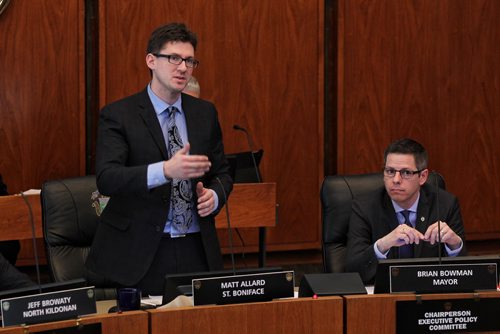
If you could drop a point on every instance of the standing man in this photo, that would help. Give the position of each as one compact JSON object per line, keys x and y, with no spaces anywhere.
{"x":160,"y":158}
{"x":400,"y":219}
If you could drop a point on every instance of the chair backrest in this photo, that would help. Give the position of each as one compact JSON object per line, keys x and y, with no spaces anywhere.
{"x":337,"y":194}
{"x":69,"y":224}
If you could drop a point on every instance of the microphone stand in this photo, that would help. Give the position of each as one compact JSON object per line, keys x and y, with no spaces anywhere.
{"x":229,"y":229}
{"x":257,"y":173}
{"x":438,"y":216}
{"x":262,"y":230}
{"x":33,"y":237}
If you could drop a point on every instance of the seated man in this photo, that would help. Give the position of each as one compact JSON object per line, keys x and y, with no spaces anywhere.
{"x":10,"y":277}
{"x":401,"y":219}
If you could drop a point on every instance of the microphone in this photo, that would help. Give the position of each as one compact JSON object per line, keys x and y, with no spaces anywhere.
{"x":230,"y":233}
{"x":257,"y":173}
{"x":33,"y":237}
{"x":438,"y":215}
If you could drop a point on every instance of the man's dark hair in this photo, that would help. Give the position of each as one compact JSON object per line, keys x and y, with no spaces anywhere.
{"x":172,"y":32}
{"x":408,"y":146}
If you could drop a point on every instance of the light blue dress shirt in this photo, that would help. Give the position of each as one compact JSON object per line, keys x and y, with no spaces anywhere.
{"x":156,"y":177}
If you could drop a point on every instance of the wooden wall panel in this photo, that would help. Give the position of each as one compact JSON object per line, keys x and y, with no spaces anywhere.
{"x":429,"y":70}
{"x":42,"y":124}
{"x":261,"y":64}
{"x":41,"y":92}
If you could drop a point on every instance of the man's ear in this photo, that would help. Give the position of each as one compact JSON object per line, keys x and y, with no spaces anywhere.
{"x":423,"y":176}
{"x":150,"y":61}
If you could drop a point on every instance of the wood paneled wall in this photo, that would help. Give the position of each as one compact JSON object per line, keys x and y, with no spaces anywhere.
{"x":426,"y":69}
{"x":42,"y":97}
{"x":261,"y":63}
{"x":42,"y":120}
{"x":429,"y":70}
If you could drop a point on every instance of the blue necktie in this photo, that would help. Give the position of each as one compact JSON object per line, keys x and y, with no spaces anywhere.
{"x":406,"y":251}
{"x":181,"y":200}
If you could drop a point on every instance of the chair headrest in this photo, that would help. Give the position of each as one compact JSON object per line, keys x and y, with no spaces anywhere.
{"x":67,"y":213}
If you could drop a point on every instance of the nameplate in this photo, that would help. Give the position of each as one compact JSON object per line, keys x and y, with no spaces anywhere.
{"x":50,"y":306}
{"x":243,"y":288}
{"x":452,"y":315}
{"x":443,"y":278}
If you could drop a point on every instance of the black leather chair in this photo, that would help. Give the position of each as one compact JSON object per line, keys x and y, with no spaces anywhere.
{"x":69,"y":224}
{"x":337,"y":194}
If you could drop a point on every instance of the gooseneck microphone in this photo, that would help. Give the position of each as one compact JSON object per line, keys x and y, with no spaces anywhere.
{"x":239,"y":128}
{"x":33,"y":237}
{"x":438,"y":215}
{"x":229,"y":229}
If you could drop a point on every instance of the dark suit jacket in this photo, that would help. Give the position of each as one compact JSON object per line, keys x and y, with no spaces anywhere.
{"x":373,"y":217}
{"x":130,"y":138}
{"x":10,"y":277}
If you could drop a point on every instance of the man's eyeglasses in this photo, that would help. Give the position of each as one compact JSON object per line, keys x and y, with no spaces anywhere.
{"x":177,"y":60}
{"x":404,"y":173}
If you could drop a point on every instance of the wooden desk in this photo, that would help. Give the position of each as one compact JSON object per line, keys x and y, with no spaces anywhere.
{"x":133,"y":322}
{"x":379,"y":311}
{"x":15,"y":221}
{"x":250,"y":205}
{"x":300,"y":315}
{"x":15,"y":224}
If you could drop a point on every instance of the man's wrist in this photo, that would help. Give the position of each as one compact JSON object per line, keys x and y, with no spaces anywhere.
{"x":165,"y":170}
{"x":456,"y":245}
{"x":381,"y":246}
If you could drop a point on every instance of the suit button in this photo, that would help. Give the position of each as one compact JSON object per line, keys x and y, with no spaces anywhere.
{"x":165,"y":198}
{"x":158,"y":228}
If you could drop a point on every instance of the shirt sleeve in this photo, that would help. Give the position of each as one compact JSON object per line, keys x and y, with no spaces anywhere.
{"x":454,"y":252}
{"x":378,"y":253}
{"x":156,"y":177}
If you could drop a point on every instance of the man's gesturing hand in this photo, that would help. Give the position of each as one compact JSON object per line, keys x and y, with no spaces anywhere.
{"x":185,"y":166}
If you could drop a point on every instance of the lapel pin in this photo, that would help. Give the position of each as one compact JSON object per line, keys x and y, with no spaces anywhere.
{"x":422,"y":219}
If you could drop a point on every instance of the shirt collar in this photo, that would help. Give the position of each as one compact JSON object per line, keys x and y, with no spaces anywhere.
{"x":412,"y":208}
{"x":159,"y":105}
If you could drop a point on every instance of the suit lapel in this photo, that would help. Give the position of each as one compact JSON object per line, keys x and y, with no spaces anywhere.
{"x":148,"y":114}
{"x":421,"y":223}
{"x":389,"y":213}
{"x":192,"y":123}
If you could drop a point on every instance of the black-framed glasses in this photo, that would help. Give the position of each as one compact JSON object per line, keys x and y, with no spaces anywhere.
{"x":177,"y":60}
{"x":404,"y":173}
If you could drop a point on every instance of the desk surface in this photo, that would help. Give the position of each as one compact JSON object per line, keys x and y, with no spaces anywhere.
{"x":133,"y":322}
{"x":380,"y":310}
{"x":354,"y":314}
{"x":250,"y":205}
{"x":299,"y":315}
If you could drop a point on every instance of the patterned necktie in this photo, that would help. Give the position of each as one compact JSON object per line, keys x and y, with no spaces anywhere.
{"x":406,"y":251}
{"x":181,"y":200}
